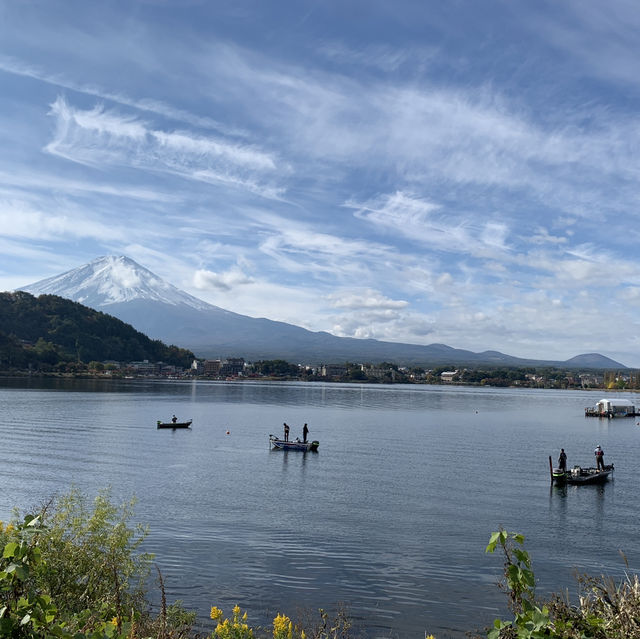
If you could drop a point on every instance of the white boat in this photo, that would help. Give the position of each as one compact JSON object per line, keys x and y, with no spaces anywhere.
{"x":296,"y":444}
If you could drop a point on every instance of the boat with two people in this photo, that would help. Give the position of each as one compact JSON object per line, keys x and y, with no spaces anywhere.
{"x":579,"y":475}
{"x":296,"y":444}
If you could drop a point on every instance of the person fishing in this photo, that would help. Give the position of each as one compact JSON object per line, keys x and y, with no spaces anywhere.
{"x":286,"y":432}
{"x":599,"y":453}
{"x":305,"y":432}
{"x":562,"y":461}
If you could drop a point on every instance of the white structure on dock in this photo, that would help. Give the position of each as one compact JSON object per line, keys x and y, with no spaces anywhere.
{"x":612,"y":408}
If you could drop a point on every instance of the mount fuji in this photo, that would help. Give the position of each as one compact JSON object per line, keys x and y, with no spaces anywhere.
{"x":122,"y":288}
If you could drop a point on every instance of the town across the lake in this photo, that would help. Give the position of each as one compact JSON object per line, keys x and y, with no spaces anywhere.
{"x":236,"y":368}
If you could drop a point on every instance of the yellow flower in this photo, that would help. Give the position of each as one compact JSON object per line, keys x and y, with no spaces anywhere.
{"x":236,"y":610}
{"x":429,"y":636}
{"x":216,"y":613}
{"x":9,"y":528}
{"x":282,"y":627}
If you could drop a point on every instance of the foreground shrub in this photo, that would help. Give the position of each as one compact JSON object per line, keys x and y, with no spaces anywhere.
{"x":92,"y":558}
{"x":74,"y":572}
{"x":606,"y":609}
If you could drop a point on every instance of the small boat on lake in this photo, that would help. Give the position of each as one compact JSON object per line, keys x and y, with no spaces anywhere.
{"x":296,"y":444}
{"x":173,"y":424}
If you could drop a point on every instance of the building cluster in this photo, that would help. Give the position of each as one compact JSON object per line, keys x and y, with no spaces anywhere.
{"x":232,"y":367}
{"x":238,"y":368}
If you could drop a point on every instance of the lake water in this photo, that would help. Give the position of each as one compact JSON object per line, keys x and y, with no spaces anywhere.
{"x":390,"y":517}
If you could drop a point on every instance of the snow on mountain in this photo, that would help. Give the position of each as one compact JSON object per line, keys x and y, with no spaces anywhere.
{"x":113,"y":280}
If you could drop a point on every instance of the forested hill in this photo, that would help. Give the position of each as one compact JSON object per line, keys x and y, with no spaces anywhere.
{"x":50,"y":329}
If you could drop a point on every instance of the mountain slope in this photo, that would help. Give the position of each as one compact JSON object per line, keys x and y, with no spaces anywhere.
{"x":121,"y":287}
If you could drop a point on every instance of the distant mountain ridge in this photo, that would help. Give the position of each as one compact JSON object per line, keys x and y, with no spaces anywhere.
{"x":121,"y":287}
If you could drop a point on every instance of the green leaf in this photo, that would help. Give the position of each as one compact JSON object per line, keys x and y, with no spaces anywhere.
{"x":494,"y":537}
{"x":493,"y":542}
{"x":529,"y":578}
{"x":10,"y":550}
{"x":521,"y":555}
{"x":22,"y":572}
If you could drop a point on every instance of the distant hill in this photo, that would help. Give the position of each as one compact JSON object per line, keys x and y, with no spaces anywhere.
{"x":592,"y":360}
{"x":121,"y":287}
{"x":50,"y":329}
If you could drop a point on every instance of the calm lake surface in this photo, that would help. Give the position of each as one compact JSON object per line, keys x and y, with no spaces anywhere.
{"x":390,"y":517}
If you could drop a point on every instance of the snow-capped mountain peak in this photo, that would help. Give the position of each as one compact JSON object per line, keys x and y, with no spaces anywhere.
{"x":113,"y":280}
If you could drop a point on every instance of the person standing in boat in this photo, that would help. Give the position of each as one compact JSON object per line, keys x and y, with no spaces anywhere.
{"x":562,"y":461}
{"x":305,"y":432}
{"x":599,"y":453}
{"x":174,"y":419}
{"x":286,"y":432}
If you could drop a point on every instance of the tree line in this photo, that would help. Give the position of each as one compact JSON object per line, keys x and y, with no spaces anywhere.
{"x":48,"y":331}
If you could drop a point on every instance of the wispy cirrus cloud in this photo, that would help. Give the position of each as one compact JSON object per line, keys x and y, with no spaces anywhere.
{"x":99,"y":137}
{"x":29,"y":182}
{"x":377,"y":56}
{"x":425,"y":222}
{"x":410,"y":133}
{"x":585,"y":266}
{"x":602,"y":38}
{"x":18,"y":67}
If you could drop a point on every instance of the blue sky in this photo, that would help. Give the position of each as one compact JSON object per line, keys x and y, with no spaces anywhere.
{"x":459,"y":172}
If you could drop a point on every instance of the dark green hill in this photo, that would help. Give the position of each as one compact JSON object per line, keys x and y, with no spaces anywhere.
{"x":49,"y":329}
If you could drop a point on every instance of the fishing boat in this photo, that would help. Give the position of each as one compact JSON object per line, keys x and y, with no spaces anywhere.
{"x":579,"y":475}
{"x":296,"y":444}
{"x":174,"y":424}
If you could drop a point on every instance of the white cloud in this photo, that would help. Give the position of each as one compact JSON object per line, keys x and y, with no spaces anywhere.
{"x":542,"y":236}
{"x":226,"y":281}
{"x":368,"y":299}
{"x":388,"y":326}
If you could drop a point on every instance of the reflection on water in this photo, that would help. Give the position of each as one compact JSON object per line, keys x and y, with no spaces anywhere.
{"x":390,"y":516}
